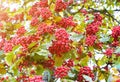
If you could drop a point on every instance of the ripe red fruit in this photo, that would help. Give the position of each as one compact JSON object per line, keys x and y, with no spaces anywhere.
{"x":67,"y":22}
{"x":90,"y":40}
{"x":109,"y":52}
{"x":32,"y":72}
{"x":61,"y":72}
{"x":60,"y":47}
{"x":68,"y":63}
{"x":92,"y":29}
{"x":34,"y":21}
{"x":49,"y":64}
{"x":60,"y":5}
{"x":21,"y":31}
{"x":116,"y":32}
{"x":45,"y":13}
{"x":85,"y":71}
{"x":61,"y":34}
{"x":118,"y":80}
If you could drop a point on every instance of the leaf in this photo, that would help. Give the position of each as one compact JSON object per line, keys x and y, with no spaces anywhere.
{"x":110,"y":78}
{"x":2,"y":68}
{"x":58,"y":61}
{"x":75,"y":37}
{"x":102,"y":61}
{"x":117,"y":50}
{"x":32,"y":45}
{"x":12,"y":79}
{"x":43,"y":53}
{"x":87,"y":78}
{"x":101,"y":77}
{"x":118,"y":66}
{"x":10,"y":57}
{"x":84,"y":61}
{"x":39,"y":70}
{"x":104,"y":39}
{"x":71,"y":75}
{"x":14,"y":67}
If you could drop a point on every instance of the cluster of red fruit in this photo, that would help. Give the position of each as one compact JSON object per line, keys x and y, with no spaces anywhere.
{"x":62,"y":43}
{"x":92,"y":29}
{"x":61,"y":72}
{"x":30,"y":79}
{"x":85,"y":71}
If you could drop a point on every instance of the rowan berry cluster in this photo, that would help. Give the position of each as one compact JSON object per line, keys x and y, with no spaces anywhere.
{"x":85,"y":71}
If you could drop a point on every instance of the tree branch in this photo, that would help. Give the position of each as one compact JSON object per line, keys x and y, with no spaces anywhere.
{"x":106,"y":12}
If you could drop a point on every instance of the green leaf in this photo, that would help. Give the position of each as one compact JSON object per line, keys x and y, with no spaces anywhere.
{"x":39,"y":70}
{"x":14,"y":67}
{"x":71,"y":75}
{"x":102,"y":61}
{"x":84,"y":61}
{"x":109,"y":78}
{"x":117,"y":50}
{"x":104,"y":39}
{"x":43,"y":53}
{"x":32,"y":45}
{"x":87,"y":78}
{"x":10,"y":57}
{"x":75,"y":37}
{"x":58,"y":61}
{"x":12,"y":79}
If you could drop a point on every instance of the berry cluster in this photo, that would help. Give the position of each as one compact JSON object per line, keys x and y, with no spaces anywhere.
{"x":85,"y":71}
{"x":49,"y":64}
{"x":34,"y":21}
{"x":61,"y":34}
{"x":43,"y":3}
{"x":7,"y":46}
{"x":116,"y":32}
{"x":36,"y":79}
{"x":109,"y":52}
{"x":44,"y":28}
{"x":60,"y":5}
{"x":68,"y":63}
{"x":62,"y":44}
{"x":90,"y":40}
{"x":67,"y":22}
{"x":92,"y":29}
{"x":40,"y":9}
{"x":21,"y":31}
{"x":59,"y":47}
{"x":45,"y":13}
{"x":61,"y":72}
{"x":30,"y":79}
